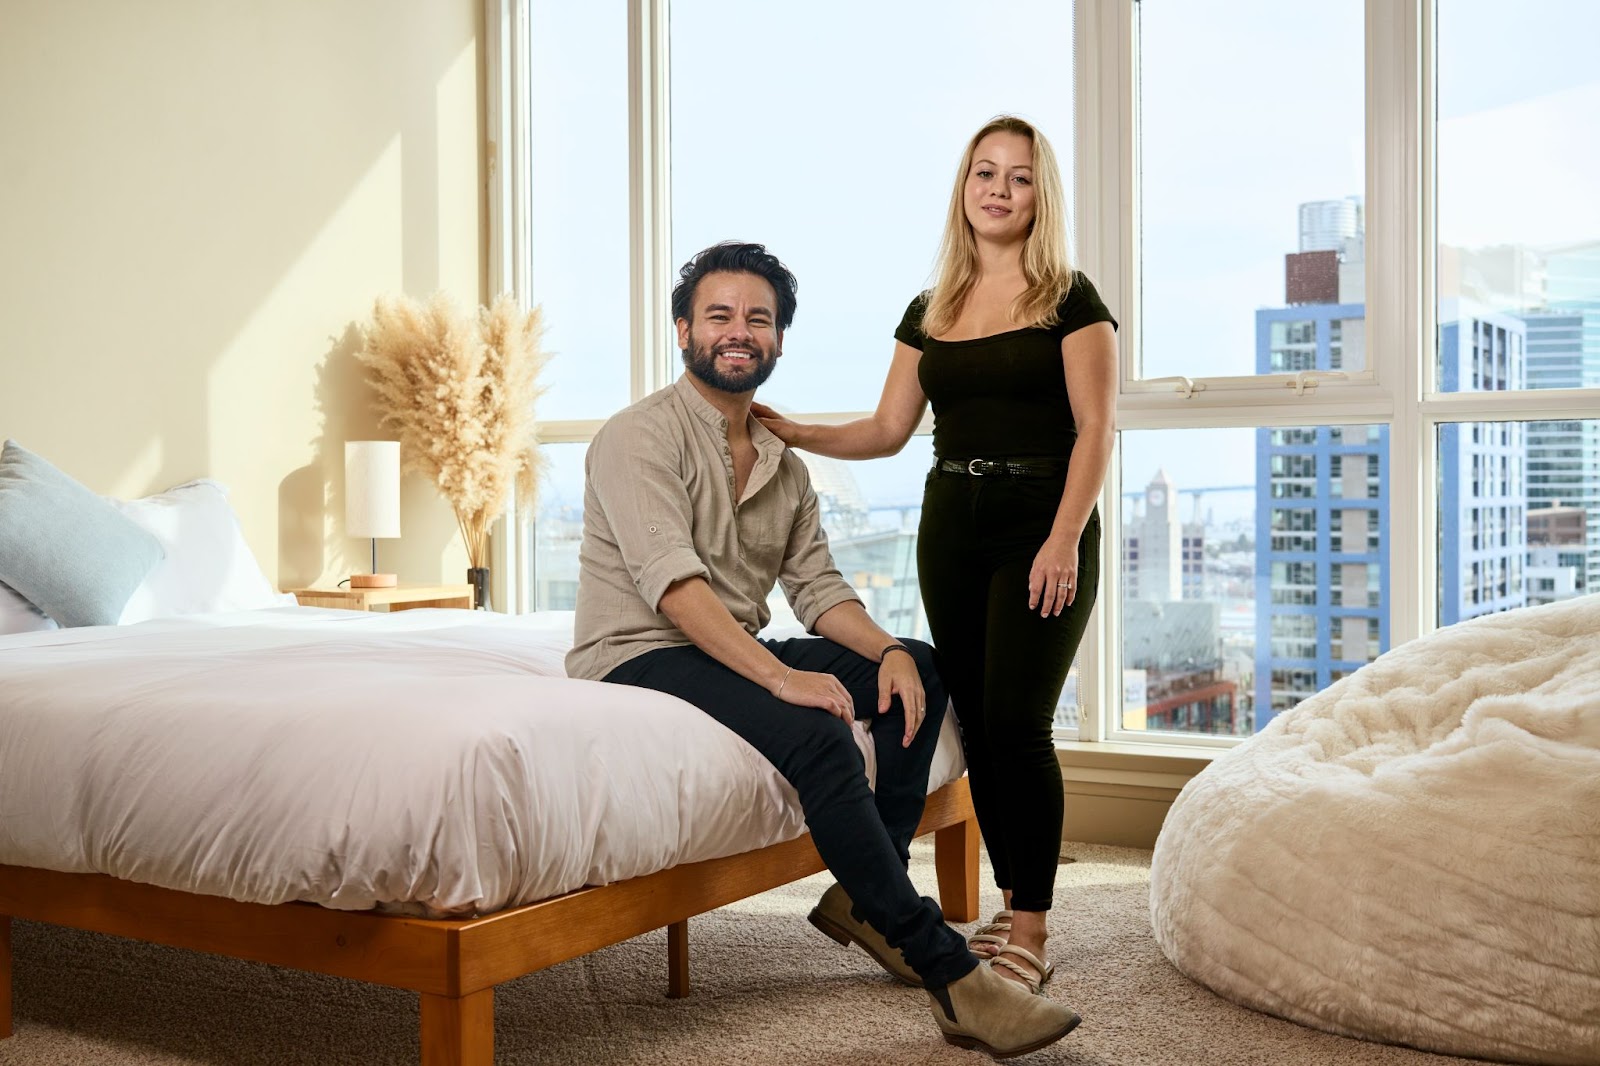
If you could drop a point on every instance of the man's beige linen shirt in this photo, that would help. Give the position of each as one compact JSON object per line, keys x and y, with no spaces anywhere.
{"x":658,"y":507}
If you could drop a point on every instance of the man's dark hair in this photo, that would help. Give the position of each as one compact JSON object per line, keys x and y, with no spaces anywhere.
{"x":735,"y":257}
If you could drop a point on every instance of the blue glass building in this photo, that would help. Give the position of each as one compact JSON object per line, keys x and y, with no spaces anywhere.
{"x":1482,"y":467}
{"x":1322,"y":521}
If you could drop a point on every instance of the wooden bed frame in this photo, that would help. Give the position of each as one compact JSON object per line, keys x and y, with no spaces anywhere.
{"x":454,"y":965}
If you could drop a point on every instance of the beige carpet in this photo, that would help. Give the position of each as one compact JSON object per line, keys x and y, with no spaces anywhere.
{"x":767,"y":989}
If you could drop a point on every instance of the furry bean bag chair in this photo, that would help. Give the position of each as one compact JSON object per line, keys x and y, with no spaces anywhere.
{"x":1413,"y":855}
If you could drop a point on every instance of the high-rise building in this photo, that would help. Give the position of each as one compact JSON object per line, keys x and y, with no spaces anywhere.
{"x":1555,"y":291}
{"x":1321,"y":510}
{"x":1572,"y":285}
{"x":1153,"y":562}
{"x":1509,"y":277}
{"x":1557,"y":550}
{"x":1564,"y":455}
{"x":1322,"y":538}
{"x":1322,"y":514}
{"x":1483,"y":494}
{"x":1194,"y":555}
{"x":1327,"y":225}
{"x":1572,"y":279}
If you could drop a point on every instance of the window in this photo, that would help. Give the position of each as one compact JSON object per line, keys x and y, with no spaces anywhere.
{"x":870,"y":511}
{"x":1354,"y":434}
{"x":1355,"y":585}
{"x":1347,"y":344}
{"x":1293,"y":474}
{"x":1518,"y":276}
{"x":1294,"y":530}
{"x":558,"y":530}
{"x":1354,"y":639}
{"x":1259,"y":214}
{"x":579,"y":258}
{"x":1294,"y":583}
{"x":583,"y":97}
{"x":1294,"y":636}
{"x":1506,"y":541}
{"x":797,"y":178}
{"x":1354,"y":531}
{"x":1188,"y":578}
{"x":1254,"y":353}
{"x":1294,"y":346}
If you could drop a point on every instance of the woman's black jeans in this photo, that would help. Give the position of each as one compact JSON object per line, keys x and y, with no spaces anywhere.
{"x":1004,"y":666}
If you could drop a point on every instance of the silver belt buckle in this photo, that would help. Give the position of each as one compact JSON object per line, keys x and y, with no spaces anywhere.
{"x":972,"y":467}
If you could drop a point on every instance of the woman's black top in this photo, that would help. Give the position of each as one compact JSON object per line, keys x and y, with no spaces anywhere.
{"x":1004,"y":395}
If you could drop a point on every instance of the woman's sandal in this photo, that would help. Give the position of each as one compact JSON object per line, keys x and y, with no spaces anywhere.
{"x":986,"y":941}
{"x":1035,"y":978}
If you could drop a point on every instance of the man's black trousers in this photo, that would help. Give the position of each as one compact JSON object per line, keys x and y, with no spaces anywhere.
{"x":862,"y":836}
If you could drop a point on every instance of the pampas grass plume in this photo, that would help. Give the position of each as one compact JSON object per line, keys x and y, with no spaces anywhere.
{"x":459,"y":391}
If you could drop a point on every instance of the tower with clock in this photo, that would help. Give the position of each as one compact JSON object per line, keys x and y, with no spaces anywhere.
{"x":1161,"y":542}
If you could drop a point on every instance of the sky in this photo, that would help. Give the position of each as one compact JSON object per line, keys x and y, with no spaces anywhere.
{"x":844,"y":168}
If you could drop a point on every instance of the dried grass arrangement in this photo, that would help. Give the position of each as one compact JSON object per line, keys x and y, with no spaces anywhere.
{"x":458,"y":391}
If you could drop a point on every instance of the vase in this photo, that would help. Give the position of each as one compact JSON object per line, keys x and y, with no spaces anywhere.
{"x":479,"y":578}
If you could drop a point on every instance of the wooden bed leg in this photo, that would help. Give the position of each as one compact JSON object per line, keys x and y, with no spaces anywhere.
{"x":955,"y":857}
{"x":678,"y":959}
{"x":5,"y":976}
{"x":458,"y":1032}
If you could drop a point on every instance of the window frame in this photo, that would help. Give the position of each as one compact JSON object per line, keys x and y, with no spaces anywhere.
{"x":1397,"y":386}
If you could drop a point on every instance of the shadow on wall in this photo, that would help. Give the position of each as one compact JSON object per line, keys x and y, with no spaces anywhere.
{"x":312,"y":546}
{"x":234,"y":184}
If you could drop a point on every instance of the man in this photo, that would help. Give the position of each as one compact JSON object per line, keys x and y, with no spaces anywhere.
{"x":692,"y":510}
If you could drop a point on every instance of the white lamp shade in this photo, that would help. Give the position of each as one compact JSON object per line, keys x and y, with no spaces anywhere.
{"x":372,"y":488}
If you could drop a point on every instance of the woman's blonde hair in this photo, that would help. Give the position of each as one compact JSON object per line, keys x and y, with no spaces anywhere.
{"x":1045,"y":263}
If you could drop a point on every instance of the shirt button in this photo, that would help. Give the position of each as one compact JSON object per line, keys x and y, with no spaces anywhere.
{"x":652,"y":529}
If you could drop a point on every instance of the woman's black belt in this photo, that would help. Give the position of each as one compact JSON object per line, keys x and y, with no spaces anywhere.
{"x":1002,"y":467}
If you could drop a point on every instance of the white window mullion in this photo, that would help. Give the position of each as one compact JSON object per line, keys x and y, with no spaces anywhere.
{"x":572,"y":431}
{"x":1104,"y":160}
{"x":1539,"y":405}
{"x":650,"y":196}
{"x":1399,"y":332}
{"x":1105,"y":212}
{"x":506,"y":75}
{"x":506,"y":28}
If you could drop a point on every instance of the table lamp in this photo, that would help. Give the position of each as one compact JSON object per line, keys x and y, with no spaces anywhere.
{"x":372,"y":500}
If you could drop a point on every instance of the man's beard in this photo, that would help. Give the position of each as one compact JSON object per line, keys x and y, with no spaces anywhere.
{"x":702,"y":363}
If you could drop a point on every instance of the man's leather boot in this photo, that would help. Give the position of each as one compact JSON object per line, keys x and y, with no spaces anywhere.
{"x":988,"y":1013}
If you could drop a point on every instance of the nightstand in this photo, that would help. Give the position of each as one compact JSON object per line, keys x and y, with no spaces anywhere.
{"x":398,"y":598}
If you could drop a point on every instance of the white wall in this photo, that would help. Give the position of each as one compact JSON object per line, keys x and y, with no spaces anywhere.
{"x":199,"y":202}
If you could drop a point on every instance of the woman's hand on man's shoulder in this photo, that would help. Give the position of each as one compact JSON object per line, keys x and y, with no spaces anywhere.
{"x":784,"y":429}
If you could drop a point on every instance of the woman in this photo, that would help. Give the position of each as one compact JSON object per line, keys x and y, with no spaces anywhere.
{"x":1018,"y":355}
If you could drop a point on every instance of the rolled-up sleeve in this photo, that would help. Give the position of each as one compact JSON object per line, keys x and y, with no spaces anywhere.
{"x":811,"y":581}
{"x":637,"y":477}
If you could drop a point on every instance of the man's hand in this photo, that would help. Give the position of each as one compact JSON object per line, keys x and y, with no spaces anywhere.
{"x":804,"y":688}
{"x":898,"y":676}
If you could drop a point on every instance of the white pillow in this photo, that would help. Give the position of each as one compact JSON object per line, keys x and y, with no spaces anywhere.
{"x":17,"y":615}
{"x":208,"y":566}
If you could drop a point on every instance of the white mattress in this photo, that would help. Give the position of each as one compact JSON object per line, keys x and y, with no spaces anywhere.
{"x":429,"y":761}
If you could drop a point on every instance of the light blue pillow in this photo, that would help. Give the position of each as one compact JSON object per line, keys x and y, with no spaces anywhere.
{"x":64,"y":549}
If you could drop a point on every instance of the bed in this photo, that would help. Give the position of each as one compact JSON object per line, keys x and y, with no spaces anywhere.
{"x":419,"y":799}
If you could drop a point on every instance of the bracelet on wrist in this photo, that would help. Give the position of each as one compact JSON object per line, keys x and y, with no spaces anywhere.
{"x":779,"y":690}
{"x":893,"y":647}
